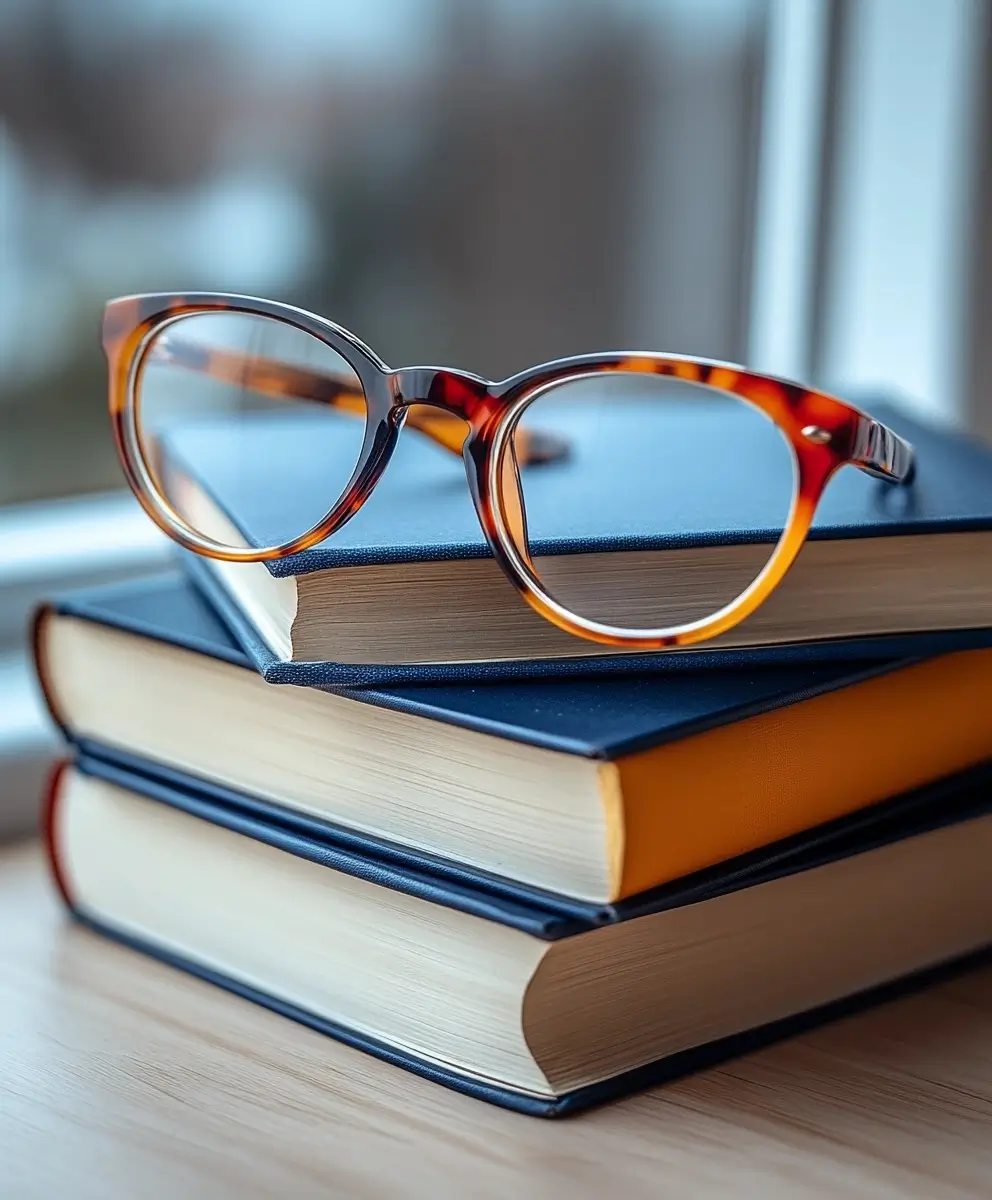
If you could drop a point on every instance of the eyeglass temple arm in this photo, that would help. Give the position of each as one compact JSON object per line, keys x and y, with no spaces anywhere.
{"x":881,"y":452}
{"x":343,"y":392}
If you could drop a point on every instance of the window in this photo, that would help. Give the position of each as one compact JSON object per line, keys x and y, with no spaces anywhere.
{"x":800,"y":183}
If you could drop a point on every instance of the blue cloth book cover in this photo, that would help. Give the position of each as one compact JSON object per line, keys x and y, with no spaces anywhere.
{"x":407,"y":591}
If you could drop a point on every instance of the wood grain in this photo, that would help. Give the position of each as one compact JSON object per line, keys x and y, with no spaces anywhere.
{"x":121,"y":1077}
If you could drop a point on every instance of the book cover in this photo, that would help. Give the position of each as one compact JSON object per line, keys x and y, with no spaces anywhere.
{"x":421,"y":513}
{"x":421,"y":510}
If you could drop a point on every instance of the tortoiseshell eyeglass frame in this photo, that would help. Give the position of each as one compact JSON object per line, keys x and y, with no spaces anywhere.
{"x":478,"y":419}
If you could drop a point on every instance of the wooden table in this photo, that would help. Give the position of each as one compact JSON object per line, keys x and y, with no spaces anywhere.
{"x":122,"y":1078}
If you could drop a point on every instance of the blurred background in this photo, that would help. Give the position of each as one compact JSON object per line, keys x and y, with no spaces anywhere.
{"x":800,"y":184}
{"x":481,"y":183}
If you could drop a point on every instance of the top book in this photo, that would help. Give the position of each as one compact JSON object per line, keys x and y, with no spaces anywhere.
{"x":407,"y":588}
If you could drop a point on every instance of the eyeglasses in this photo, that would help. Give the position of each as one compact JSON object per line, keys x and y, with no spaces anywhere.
{"x":586,"y":473}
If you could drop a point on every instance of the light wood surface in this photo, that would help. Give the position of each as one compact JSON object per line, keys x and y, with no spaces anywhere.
{"x":122,"y":1078}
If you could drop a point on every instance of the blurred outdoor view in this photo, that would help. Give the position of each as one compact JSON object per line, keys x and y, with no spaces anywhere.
{"x":480,"y":184}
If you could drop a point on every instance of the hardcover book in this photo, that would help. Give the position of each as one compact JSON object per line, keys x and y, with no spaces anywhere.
{"x":407,"y":590}
{"x":597,"y":790}
{"x":513,"y":1001}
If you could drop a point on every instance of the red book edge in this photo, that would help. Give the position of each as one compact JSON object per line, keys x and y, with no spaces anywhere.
{"x":49,"y":830}
{"x":52,"y":793}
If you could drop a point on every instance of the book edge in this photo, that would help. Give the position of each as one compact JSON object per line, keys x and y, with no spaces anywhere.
{"x":875,"y":649}
{"x":665,"y":1070}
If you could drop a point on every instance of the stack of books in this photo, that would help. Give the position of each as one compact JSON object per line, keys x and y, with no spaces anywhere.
{"x":533,"y":872}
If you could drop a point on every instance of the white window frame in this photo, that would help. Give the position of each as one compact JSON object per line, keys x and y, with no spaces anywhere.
{"x":862,"y":276}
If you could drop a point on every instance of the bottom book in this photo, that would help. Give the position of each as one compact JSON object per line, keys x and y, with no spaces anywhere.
{"x":511,"y":1002}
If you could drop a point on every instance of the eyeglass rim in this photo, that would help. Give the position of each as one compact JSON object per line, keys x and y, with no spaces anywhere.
{"x":652,"y":637}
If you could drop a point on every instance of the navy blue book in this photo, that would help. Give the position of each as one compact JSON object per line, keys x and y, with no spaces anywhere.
{"x":593,"y":790}
{"x":515,"y":1001}
{"x":407,"y":591}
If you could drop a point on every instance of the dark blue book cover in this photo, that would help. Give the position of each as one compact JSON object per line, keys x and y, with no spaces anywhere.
{"x":421,"y":512}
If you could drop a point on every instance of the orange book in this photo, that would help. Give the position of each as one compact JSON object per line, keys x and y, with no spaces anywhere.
{"x":596,"y":790}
